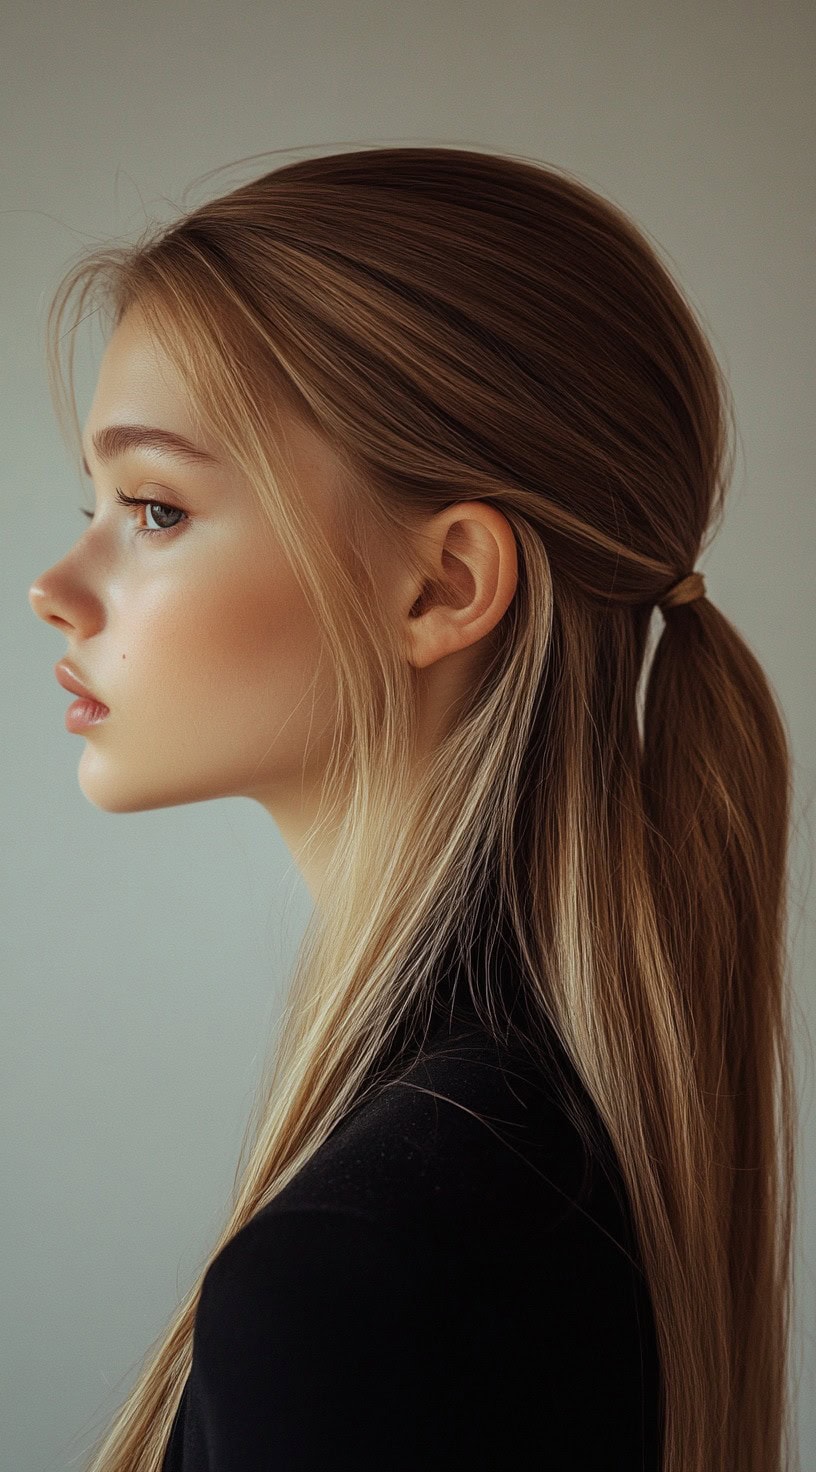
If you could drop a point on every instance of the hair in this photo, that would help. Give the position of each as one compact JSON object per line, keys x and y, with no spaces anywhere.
{"x":465,"y":325}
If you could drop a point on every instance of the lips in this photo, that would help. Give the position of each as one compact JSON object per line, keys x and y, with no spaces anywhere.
{"x":69,"y":681}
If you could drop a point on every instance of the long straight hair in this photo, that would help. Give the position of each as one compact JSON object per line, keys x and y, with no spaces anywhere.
{"x":463,"y":325}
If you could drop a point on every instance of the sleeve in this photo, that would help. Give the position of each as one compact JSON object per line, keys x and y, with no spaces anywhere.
{"x":313,"y":1349}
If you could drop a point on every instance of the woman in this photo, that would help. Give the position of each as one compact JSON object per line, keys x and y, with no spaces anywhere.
{"x":511,"y":1195}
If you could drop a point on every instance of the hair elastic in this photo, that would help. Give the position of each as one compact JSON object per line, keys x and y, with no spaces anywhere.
{"x":685,"y":591}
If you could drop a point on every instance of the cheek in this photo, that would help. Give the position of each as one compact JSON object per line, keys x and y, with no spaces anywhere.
{"x":240,"y":659}
{"x":223,"y":625}
{"x":244,"y":633}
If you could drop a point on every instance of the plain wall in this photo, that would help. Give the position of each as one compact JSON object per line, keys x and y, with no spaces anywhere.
{"x":144,"y":955}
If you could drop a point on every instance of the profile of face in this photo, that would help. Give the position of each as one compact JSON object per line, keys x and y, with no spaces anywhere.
{"x":184,"y":618}
{"x":179,"y":615}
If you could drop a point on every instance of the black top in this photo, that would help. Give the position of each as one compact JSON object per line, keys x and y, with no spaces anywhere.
{"x":433,"y":1290}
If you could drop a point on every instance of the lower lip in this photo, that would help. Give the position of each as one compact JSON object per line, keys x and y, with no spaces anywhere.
{"x":84,"y":713}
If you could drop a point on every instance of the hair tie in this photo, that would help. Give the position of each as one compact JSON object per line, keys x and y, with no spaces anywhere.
{"x":685,"y":591}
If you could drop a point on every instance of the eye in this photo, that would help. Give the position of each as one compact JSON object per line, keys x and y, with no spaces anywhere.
{"x":162,"y":506}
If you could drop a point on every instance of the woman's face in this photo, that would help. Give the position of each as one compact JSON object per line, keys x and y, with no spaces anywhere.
{"x":194,"y":633}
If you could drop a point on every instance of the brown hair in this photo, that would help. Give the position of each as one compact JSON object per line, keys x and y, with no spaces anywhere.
{"x":461,"y":325}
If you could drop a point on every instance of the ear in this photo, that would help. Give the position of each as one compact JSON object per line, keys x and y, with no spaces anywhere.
{"x":471,"y":574}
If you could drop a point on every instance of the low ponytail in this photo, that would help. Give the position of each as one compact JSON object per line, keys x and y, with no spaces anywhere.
{"x":716,"y":794}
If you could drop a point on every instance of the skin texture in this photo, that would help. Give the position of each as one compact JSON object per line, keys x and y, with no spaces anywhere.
{"x":200,"y":640}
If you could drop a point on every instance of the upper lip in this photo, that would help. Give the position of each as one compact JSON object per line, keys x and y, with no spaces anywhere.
{"x":70,"y":681}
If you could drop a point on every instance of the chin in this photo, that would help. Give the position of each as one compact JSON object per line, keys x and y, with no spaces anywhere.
{"x":110,"y":795}
{"x":114,"y":791}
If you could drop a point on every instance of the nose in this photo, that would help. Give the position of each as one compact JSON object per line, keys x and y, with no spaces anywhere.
{"x":42,"y":605}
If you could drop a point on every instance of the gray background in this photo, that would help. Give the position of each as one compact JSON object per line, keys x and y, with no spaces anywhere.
{"x":144,"y":955}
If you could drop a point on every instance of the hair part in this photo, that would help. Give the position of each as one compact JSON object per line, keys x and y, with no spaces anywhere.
{"x":464,"y":325}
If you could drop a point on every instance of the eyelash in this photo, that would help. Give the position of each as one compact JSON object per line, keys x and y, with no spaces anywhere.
{"x":145,"y":531}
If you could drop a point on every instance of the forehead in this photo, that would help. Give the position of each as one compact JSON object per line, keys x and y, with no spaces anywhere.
{"x":138,"y":383}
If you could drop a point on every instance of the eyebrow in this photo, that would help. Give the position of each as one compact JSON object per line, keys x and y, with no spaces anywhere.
{"x":115,"y":440}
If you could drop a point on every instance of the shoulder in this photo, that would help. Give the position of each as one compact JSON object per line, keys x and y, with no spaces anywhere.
{"x":467,"y":1152}
{"x":439,"y":1234}
{"x":472,"y":1132}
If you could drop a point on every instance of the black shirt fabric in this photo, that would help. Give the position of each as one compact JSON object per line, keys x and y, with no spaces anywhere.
{"x":441,"y":1286}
